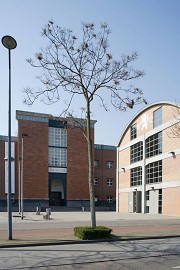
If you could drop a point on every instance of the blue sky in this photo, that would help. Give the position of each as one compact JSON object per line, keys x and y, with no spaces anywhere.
{"x":149,"y":27}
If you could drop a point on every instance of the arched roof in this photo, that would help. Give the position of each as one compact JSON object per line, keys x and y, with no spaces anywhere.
{"x":142,"y":111}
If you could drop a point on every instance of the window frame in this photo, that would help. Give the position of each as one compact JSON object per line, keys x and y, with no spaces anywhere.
{"x":136,"y":176}
{"x":109,"y":164}
{"x":109,"y":199}
{"x":133,"y":132}
{"x":96,"y":163}
{"x":154,"y":172}
{"x":153,"y":145}
{"x":136,"y":152}
{"x":96,"y":181}
{"x":157,"y":117}
{"x":109,"y":182}
{"x":57,"y":157}
{"x":57,"y":137}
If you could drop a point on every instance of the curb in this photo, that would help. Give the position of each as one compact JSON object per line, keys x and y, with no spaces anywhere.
{"x":74,"y":242}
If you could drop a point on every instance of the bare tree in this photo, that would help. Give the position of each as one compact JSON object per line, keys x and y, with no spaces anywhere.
{"x":84,"y":67}
{"x":175,"y":129}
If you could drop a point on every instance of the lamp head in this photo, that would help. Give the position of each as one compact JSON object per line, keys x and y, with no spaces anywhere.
{"x":9,"y":42}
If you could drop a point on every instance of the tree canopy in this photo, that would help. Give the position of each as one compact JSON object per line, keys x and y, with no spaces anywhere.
{"x":84,"y":66}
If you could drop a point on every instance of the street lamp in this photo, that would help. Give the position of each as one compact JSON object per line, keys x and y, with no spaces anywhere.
{"x":9,"y":43}
{"x":22,"y":175}
{"x":19,"y":186}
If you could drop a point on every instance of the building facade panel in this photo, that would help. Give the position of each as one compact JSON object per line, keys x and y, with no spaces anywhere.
{"x":171,"y":201}
{"x":124,"y":157}
{"x":35,"y":158}
{"x":77,"y":165}
{"x":51,"y":164}
{"x":153,"y":169}
{"x":171,"y":170}
{"x":123,"y":202}
{"x":105,"y":175}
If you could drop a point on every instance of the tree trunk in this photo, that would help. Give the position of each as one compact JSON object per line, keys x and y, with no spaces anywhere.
{"x":90,"y":161}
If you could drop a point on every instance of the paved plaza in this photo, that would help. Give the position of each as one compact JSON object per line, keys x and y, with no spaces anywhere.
{"x":34,"y":230}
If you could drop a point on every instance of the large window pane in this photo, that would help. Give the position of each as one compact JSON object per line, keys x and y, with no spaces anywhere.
{"x":136,"y":176}
{"x":57,"y":137}
{"x":157,"y":117}
{"x":154,"y":145}
{"x":136,"y":152}
{"x":154,"y":172}
{"x":133,"y":131}
{"x":57,"y":157}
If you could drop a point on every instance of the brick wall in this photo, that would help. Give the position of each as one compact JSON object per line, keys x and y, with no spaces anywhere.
{"x":102,"y":190}
{"x":123,"y":202}
{"x":77,"y":164}
{"x":35,"y":158}
{"x":171,"y":201}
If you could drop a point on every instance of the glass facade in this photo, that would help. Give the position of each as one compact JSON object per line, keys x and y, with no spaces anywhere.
{"x":133,"y":131}
{"x":154,"y":145}
{"x":57,"y":156}
{"x":136,"y":176}
{"x":154,"y":172}
{"x":136,"y":152}
{"x":57,"y":137}
{"x":157,"y":117}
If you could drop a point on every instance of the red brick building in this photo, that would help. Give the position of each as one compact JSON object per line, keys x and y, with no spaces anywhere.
{"x":52,"y":154}
{"x":105,"y":175}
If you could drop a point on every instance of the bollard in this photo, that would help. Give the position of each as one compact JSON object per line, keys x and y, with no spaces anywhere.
{"x":37,"y":210}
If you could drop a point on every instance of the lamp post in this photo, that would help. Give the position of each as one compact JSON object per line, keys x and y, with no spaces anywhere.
{"x":22,"y":175}
{"x":9,"y":43}
{"x":19,"y":186}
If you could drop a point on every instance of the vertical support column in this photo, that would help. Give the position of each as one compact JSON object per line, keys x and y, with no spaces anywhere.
{"x":143,"y":201}
{"x":117,"y":180}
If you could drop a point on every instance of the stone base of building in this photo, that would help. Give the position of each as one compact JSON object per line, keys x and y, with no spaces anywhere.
{"x":29,"y":205}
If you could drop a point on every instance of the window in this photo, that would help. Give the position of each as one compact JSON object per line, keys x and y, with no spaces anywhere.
{"x":154,"y":145}
{"x":133,"y":131}
{"x":160,"y":202}
{"x":109,"y":181}
{"x":136,"y":152}
{"x":96,"y":163}
{"x":96,"y":181}
{"x":57,"y":157}
{"x":136,"y":176}
{"x":57,"y":137}
{"x":96,"y":197}
{"x":154,"y":172}
{"x":110,"y":199}
{"x":109,"y":164}
{"x":157,"y":117}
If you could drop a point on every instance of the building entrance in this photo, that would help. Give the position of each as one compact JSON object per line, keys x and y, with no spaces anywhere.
{"x":154,"y":201}
{"x":135,"y":202}
{"x":57,"y":190}
{"x":55,"y":198}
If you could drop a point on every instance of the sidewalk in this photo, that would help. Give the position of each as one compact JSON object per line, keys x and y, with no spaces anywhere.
{"x":34,"y":230}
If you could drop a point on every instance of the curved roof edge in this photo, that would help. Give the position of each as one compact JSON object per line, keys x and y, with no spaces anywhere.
{"x":144,"y":109}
